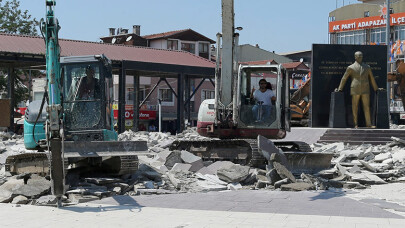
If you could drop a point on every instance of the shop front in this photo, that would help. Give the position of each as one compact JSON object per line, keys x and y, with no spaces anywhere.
{"x":147,"y":118}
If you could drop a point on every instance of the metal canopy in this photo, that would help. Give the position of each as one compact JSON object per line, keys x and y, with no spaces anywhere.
{"x":12,"y":61}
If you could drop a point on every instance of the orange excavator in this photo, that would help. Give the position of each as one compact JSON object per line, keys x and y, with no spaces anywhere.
{"x":300,"y":104}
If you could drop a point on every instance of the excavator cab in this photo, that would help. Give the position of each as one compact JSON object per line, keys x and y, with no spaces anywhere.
{"x":269,"y":115}
{"x":87,"y":97}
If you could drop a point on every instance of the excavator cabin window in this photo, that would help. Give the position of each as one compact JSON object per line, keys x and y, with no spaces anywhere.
{"x":258,"y":87}
{"x":82,"y":92}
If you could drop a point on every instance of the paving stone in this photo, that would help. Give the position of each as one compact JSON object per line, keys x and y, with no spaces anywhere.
{"x":146,"y":172}
{"x":181,"y":166}
{"x":352,"y":153}
{"x":301,"y":186}
{"x":267,"y":148}
{"x":235,"y":173}
{"x":284,"y":172}
{"x":20,"y":200}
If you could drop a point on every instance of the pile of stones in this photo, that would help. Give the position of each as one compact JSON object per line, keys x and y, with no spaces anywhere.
{"x":168,"y":172}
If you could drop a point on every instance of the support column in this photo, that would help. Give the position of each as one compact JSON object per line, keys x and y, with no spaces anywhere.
{"x":121,"y":99}
{"x":11,"y":95}
{"x":180,"y":103}
{"x":187,"y":95}
{"x":135,"y":122}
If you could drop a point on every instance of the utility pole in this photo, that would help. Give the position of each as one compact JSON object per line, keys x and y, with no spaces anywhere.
{"x":387,"y":39}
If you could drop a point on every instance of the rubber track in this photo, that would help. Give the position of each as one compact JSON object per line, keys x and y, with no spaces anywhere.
{"x":255,"y":158}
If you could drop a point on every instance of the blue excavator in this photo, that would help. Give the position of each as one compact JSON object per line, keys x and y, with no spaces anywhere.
{"x":73,"y":124}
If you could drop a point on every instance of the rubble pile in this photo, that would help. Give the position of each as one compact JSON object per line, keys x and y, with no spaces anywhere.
{"x":168,"y":172}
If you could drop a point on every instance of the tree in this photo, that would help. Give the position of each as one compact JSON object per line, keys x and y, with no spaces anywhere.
{"x":15,"y":21}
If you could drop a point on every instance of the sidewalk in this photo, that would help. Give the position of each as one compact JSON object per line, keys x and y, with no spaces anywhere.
{"x":92,"y":215}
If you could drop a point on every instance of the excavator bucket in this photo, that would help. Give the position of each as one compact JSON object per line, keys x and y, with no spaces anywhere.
{"x":296,"y":161}
{"x":116,"y":157}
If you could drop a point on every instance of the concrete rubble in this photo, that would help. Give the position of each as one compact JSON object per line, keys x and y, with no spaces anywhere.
{"x":170,"y":172}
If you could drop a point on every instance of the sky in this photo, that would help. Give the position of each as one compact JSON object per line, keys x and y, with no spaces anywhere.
{"x":280,"y":26}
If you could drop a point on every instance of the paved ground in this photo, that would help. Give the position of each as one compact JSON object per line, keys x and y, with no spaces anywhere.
{"x":305,"y":134}
{"x":214,"y":209}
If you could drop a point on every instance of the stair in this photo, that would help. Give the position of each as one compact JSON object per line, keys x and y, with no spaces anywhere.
{"x":361,"y":136}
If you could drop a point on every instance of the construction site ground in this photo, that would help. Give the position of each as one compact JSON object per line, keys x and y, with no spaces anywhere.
{"x":245,"y":208}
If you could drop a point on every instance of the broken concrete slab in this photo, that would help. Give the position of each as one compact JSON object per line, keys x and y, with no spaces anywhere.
{"x":281,"y":182}
{"x":195,"y":161}
{"x":181,"y":166}
{"x":210,"y":186}
{"x":399,"y":156}
{"x":20,"y":200}
{"x":79,"y":198}
{"x":332,"y":147}
{"x":382,"y":157}
{"x":262,"y":184}
{"x":272,"y":176}
{"x":235,"y":173}
{"x":35,"y":187}
{"x":367,"y":178}
{"x":149,"y":184}
{"x":267,"y":148}
{"x":352,"y":184}
{"x":211,"y":178}
{"x":173,"y":158}
{"x":283,"y":171}
{"x":46,"y":200}
{"x":102,"y":181}
{"x":146,"y":172}
{"x":355,"y":169}
{"x":368,"y":166}
{"x":301,"y":186}
{"x":7,"y":189}
{"x":234,"y":186}
{"x":213,"y":168}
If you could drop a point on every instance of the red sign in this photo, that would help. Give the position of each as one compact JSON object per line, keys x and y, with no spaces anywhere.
{"x":143,"y":114}
{"x":365,"y":22}
{"x":21,"y":110}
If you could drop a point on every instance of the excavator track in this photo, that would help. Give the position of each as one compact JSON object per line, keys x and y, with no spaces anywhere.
{"x":240,"y":151}
{"x":38,"y":163}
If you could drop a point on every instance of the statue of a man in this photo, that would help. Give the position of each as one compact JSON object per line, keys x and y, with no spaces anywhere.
{"x":362,"y":77}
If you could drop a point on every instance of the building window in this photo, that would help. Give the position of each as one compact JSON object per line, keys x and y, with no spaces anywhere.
{"x":203,"y":48}
{"x":207,"y":94}
{"x":366,"y":13}
{"x":166,"y":95}
{"x":399,"y":33}
{"x":190,"y":47}
{"x":172,"y":45}
{"x":352,"y":37}
{"x":378,"y":35}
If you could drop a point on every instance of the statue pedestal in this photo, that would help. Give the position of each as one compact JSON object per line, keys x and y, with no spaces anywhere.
{"x":381,"y":108}
{"x":337,"y":113}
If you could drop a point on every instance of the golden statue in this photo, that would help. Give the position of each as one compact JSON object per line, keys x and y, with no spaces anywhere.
{"x":360,"y":88}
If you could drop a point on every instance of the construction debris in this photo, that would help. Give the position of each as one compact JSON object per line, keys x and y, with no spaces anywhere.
{"x":168,"y":172}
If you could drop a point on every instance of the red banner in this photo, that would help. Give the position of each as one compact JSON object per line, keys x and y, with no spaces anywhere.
{"x":365,"y":22}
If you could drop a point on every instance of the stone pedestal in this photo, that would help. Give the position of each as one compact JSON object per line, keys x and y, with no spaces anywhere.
{"x":337,"y":114}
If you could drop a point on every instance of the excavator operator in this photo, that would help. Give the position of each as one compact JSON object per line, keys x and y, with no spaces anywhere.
{"x":263,"y":97}
{"x":89,"y":87}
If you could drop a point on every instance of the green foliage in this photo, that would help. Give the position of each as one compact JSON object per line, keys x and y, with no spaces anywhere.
{"x":14,"y":20}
